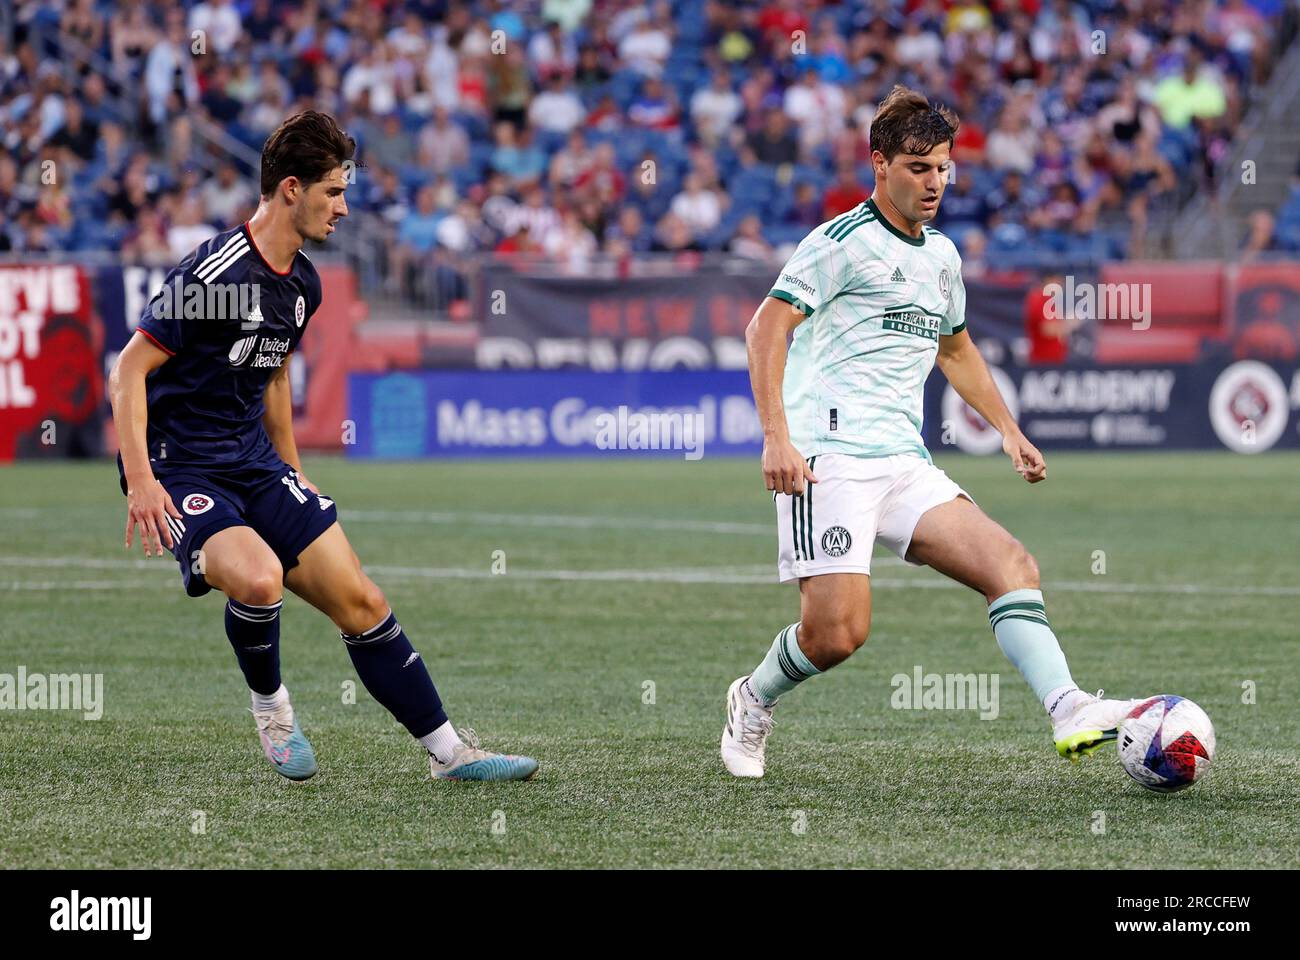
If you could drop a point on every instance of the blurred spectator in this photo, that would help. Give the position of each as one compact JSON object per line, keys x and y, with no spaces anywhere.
{"x":844,"y":194}
{"x":226,"y":198}
{"x":749,"y":241}
{"x":169,"y":77}
{"x":647,"y":46}
{"x":1194,"y":92}
{"x":78,"y":136}
{"x":630,"y":232}
{"x":697,"y":207}
{"x":571,"y":161}
{"x":392,"y":144}
{"x":601,"y":178}
{"x":1259,"y":235}
{"x":189,"y":229}
{"x":443,"y":144}
{"x":220,"y":21}
{"x":1046,"y":324}
{"x":775,"y":144}
{"x":715,"y":108}
{"x":817,"y":107}
{"x":516,"y":157}
{"x":570,"y":244}
{"x":556,"y":109}
{"x":552,"y":52}
{"x":807,"y":210}
{"x":416,"y":237}
{"x":974,"y":253}
{"x":654,"y":108}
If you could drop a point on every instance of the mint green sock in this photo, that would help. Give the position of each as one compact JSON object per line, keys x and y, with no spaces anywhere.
{"x":784,"y":667}
{"x":1019,"y":621}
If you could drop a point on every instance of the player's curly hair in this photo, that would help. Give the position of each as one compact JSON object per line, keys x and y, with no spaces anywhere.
{"x":906,"y":123}
{"x":308,"y":146}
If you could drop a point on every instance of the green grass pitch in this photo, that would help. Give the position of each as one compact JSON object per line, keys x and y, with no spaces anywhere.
{"x":634,"y":591}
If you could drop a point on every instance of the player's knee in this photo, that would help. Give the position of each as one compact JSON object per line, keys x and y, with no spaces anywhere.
{"x":366,"y":609}
{"x":260,"y":586}
{"x":1026,"y":569}
{"x":829,"y":642}
{"x":1018,"y":571}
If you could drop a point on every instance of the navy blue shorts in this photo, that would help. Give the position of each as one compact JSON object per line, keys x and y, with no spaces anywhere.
{"x":278,"y":508}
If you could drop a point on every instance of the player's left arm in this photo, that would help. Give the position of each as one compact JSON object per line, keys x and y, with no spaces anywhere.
{"x":278,"y":421}
{"x":961,"y":363}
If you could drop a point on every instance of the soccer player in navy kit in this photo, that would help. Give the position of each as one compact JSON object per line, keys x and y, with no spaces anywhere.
{"x":210,"y":469}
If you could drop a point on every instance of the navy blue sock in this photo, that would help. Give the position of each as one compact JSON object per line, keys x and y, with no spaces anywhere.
{"x":254,"y":632}
{"x":396,"y":676}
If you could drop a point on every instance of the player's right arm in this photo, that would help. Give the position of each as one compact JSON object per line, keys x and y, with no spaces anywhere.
{"x":784,"y":468}
{"x":148,"y":504}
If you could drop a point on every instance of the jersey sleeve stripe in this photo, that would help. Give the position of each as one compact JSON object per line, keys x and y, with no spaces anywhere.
{"x":158,"y":343}
{"x":958,"y":329}
{"x":791,"y":299}
{"x":210,"y":272}
{"x":214,"y":257}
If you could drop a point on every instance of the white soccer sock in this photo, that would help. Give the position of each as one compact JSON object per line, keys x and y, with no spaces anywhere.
{"x":1063,"y":701}
{"x":442,"y":742}
{"x":265,"y":703}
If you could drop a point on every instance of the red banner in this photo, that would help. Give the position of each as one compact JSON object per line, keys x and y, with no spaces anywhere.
{"x":51,"y":385}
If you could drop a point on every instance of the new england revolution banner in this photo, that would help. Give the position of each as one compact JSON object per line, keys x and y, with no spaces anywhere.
{"x":51,"y":384}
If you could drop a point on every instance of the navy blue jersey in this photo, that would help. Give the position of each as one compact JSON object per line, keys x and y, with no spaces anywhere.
{"x":229,"y":322}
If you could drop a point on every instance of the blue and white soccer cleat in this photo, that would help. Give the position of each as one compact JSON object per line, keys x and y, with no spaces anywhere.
{"x":1092,"y":725}
{"x":284,"y":744}
{"x":470,"y":762}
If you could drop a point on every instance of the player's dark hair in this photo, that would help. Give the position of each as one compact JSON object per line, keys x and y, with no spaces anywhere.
{"x":906,"y":123}
{"x":308,"y":146}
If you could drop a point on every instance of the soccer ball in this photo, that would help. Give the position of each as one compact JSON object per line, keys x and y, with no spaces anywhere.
{"x":1166,"y":743}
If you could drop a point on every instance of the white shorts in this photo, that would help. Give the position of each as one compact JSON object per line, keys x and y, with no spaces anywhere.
{"x":856,"y":502}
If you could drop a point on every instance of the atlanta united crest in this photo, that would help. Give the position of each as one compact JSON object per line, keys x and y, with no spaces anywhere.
{"x":836,"y":542}
{"x":945,"y":284}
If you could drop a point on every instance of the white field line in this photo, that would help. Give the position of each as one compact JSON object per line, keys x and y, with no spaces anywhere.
{"x":741,"y":575}
{"x":449,"y":518}
{"x":571,"y":521}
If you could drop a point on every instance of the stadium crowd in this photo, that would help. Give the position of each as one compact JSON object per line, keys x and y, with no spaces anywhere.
{"x":568,"y":129}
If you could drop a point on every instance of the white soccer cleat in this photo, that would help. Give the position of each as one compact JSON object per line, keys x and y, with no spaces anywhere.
{"x":1094,"y":723}
{"x":744,"y":738}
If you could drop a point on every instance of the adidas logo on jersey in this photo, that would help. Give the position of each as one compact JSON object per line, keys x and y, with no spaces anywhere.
{"x":898,"y":276}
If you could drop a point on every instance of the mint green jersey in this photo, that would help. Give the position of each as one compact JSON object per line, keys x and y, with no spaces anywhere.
{"x":876,"y":302}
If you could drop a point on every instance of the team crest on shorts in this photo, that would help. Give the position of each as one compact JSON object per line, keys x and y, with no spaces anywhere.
{"x":300,"y":311}
{"x":197,"y":503}
{"x":836,"y":542}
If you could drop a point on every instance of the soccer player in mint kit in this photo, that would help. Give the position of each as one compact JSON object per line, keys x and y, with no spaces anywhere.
{"x":874,"y":298}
